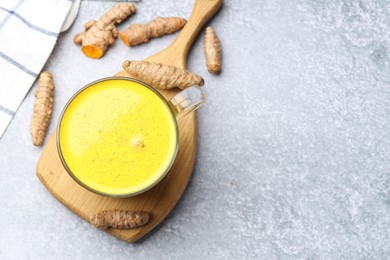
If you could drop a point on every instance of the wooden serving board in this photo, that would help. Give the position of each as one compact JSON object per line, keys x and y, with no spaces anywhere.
{"x":159,"y":200}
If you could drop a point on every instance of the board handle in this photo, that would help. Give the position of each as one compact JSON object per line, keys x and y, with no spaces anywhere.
{"x":176,"y":53}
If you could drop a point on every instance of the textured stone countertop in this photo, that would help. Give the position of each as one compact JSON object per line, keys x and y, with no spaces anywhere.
{"x":294,"y":142}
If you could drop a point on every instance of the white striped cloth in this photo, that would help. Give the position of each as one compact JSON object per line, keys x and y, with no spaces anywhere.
{"x":28,"y":33}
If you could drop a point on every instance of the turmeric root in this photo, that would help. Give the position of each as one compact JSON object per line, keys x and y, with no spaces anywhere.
{"x":162,"y":76}
{"x":42,"y":108}
{"x":212,"y":50}
{"x":139,"y":33}
{"x":101,"y":34}
{"x":119,"y":219}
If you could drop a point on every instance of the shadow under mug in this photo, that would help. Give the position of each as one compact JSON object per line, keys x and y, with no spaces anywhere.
{"x":179,"y":106}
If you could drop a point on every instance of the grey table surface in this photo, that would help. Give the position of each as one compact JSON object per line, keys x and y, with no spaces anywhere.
{"x":294,"y":142}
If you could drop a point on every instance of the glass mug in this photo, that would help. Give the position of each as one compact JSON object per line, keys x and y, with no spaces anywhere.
{"x":119,"y":137}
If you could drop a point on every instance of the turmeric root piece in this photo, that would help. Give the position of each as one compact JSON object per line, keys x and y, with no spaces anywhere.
{"x":119,"y":219}
{"x":139,"y":33}
{"x":162,"y":76}
{"x":42,"y":108}
{"x":101,"y":34}
{"x":212,"y":51}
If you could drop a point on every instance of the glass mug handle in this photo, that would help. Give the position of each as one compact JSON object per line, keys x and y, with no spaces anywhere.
{"x":187,"y":101}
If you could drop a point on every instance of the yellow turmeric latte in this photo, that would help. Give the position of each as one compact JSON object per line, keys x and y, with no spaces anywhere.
{"x":117,"y":137}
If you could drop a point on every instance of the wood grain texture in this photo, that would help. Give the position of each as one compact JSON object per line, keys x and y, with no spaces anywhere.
{"x":159,"y":200}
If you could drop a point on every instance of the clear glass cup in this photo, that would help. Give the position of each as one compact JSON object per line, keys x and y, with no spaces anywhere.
{"x":179,"y":106}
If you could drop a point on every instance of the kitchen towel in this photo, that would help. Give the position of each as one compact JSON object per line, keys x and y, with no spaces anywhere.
{"x":28,"y":33}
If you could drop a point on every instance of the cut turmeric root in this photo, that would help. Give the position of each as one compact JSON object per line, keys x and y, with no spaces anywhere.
{"x":162,"y":76}
{"x":42,"y":108}
{"x":119,"y":219}
{"x":139,"y":33}
{"x":101,"y":34}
